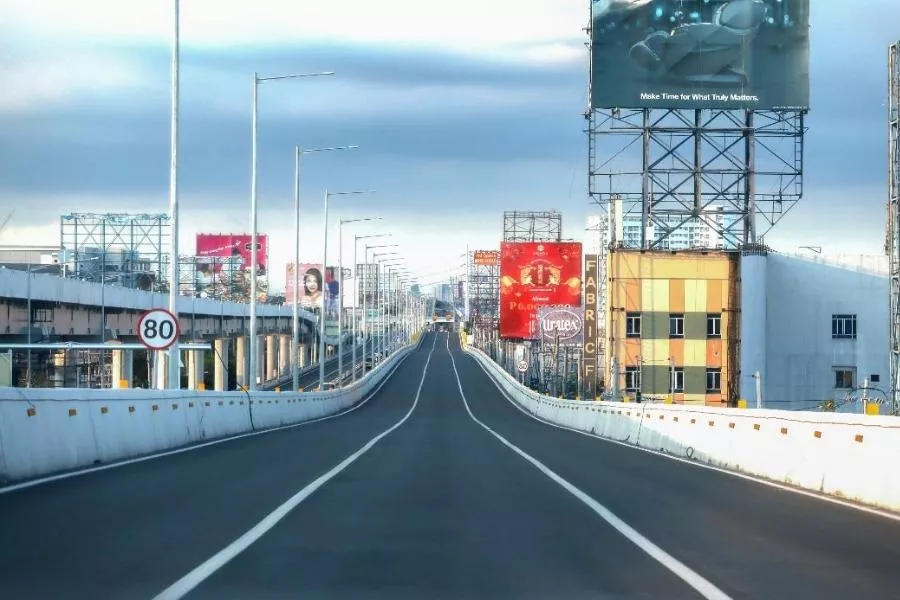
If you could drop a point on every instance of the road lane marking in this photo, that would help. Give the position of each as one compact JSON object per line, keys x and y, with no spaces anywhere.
{"x":190,"y":581}
{"x":132,"y":461}
{"x":746,"y":477}
{"x":700,"y":584}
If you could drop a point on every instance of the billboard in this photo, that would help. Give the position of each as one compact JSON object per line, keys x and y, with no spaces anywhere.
{"x":591,"y":336}
{"x":718,"y":54}
{"x":535,"y":274}
{"x":560,"y":325}
{"x":486,"y":258}
{"x":318,"y":291}
{"x":234,"y":246}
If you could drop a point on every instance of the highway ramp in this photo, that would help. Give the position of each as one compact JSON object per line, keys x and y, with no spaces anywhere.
{"x":439,"y":507}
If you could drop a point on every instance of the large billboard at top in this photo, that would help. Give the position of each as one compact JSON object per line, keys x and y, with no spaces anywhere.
{"x":532,"y":275}
{"x":234,"y":246}
{"x":720,"y":54}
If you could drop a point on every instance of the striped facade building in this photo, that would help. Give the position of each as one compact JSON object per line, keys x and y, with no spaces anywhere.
{"x":673,"y":323}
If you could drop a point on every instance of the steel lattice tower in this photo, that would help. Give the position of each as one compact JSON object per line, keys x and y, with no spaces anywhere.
{"x":893,"y":241}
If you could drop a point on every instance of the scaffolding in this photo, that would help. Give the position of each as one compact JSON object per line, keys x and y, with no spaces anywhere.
{"x":893,"y":241}
{"x":116,"y":249}
{"x":532,"y":226}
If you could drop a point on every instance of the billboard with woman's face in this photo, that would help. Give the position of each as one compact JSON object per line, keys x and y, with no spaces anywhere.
{"x":311,"y":286}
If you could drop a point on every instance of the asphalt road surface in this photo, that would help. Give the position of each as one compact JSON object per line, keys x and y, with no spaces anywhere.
{"x":414,"y":495}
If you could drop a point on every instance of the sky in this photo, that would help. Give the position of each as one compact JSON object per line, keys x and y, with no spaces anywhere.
{"x":460,"y":110}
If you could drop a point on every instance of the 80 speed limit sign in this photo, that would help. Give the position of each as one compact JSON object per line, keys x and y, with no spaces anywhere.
{"x":158,"y":329}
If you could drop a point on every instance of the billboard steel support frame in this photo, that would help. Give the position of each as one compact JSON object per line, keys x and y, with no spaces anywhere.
{"x":893,"y":241}
{"x":88,"y":241}
{"x":532,"y":226}
{"x":744,"y":165}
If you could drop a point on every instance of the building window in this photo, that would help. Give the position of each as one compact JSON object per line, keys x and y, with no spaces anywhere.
{"x":844,"y":378}
{"x":676,"y":380}
{"x":676,"y":325}
{"x":632,"y":379}
{"x":41,"y":315}
{"x":874,"y":378}
{"x":713,"y":380}
{"x":843,"y":327}
{"x":714,"y":325}
{"x":633,"y":325}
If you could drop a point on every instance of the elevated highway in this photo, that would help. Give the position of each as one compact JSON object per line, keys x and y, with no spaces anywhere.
{"x":435,"y":486}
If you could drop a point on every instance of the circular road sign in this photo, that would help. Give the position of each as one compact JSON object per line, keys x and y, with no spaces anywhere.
{"x":522,"y":366}
{"x":158,"y":329}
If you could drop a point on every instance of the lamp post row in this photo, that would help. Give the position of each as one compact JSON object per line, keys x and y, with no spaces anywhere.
{"x":174,"y":352}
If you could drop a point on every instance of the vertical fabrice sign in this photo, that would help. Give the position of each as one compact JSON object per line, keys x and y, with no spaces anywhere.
{"x":589,"y":366}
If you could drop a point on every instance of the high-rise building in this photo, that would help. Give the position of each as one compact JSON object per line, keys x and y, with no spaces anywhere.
{"x":705,"y":231}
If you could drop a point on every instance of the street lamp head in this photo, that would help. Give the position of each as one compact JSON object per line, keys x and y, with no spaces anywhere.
{"x":330,"y":149}
{"x":360,"y":220}
{"x":353,"y":193}
{"x":292,"y":76}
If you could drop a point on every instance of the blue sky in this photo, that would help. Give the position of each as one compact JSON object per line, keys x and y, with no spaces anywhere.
{"x":461,"y":111}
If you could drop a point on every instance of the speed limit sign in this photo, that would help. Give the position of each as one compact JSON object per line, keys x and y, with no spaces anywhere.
{"x":158,"y":329}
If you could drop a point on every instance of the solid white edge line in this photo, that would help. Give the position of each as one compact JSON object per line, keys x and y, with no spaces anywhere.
{"x":196,"y":576}
{"x":131,"y":461}
{"x":700,"y":584}
{"x":745,"y":476}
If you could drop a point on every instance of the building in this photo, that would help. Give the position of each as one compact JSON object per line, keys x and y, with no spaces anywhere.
{"x":38,"y":259}
{"x":673,"y":325}
{"x":816,"y":329}
{"x":707,"y":326}
{"x":702,"y":232}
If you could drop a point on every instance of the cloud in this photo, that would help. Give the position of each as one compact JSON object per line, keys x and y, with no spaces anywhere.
{"x":458,"y":24}
{"x":406,"y":114}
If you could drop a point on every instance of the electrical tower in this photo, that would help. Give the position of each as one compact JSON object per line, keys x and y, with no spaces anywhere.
{"x":893,"y":242}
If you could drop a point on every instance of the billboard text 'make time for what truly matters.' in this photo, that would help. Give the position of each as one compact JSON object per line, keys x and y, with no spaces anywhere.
{"x":696,"y":54}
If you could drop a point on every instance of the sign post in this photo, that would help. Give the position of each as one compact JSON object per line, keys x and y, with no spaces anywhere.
{"x":158,"y":330}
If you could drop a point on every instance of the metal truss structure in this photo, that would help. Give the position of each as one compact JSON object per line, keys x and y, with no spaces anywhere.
{"x":484,"y":293}
{"x":116,"y":249}
{"x":531,"y":226}
{"x":893,"y":241}
{"x":734,"y":173}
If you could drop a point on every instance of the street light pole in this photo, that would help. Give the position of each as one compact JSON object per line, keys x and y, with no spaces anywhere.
{"x":356,"y":296}
{"x":368,"y":345}
{"x":174,"y":352}
{"x":324,"y":267}
{"x":295,"y":328}
{"x":254,"y":228}
{"x":341,"y":224}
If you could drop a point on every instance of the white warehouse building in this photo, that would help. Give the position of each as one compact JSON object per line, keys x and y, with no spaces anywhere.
{"x":815,"y":329}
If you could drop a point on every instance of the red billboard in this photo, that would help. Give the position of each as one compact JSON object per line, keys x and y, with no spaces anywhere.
{"x":234,"y":246}
{"x":532,"y":275}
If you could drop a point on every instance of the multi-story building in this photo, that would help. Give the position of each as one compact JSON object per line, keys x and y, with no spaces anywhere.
{"x":673,"y":325}
{"x":713,"y":327}
{"x":706,"y":231}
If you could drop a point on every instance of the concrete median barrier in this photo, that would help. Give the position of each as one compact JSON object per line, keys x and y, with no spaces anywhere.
{"x":45,"y":431}
{"x":838,"y":454}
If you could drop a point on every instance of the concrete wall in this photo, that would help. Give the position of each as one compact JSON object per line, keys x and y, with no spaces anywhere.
{"x":44,"y":431}
{"x":791,"y":342}
{"x":840,"y":455}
